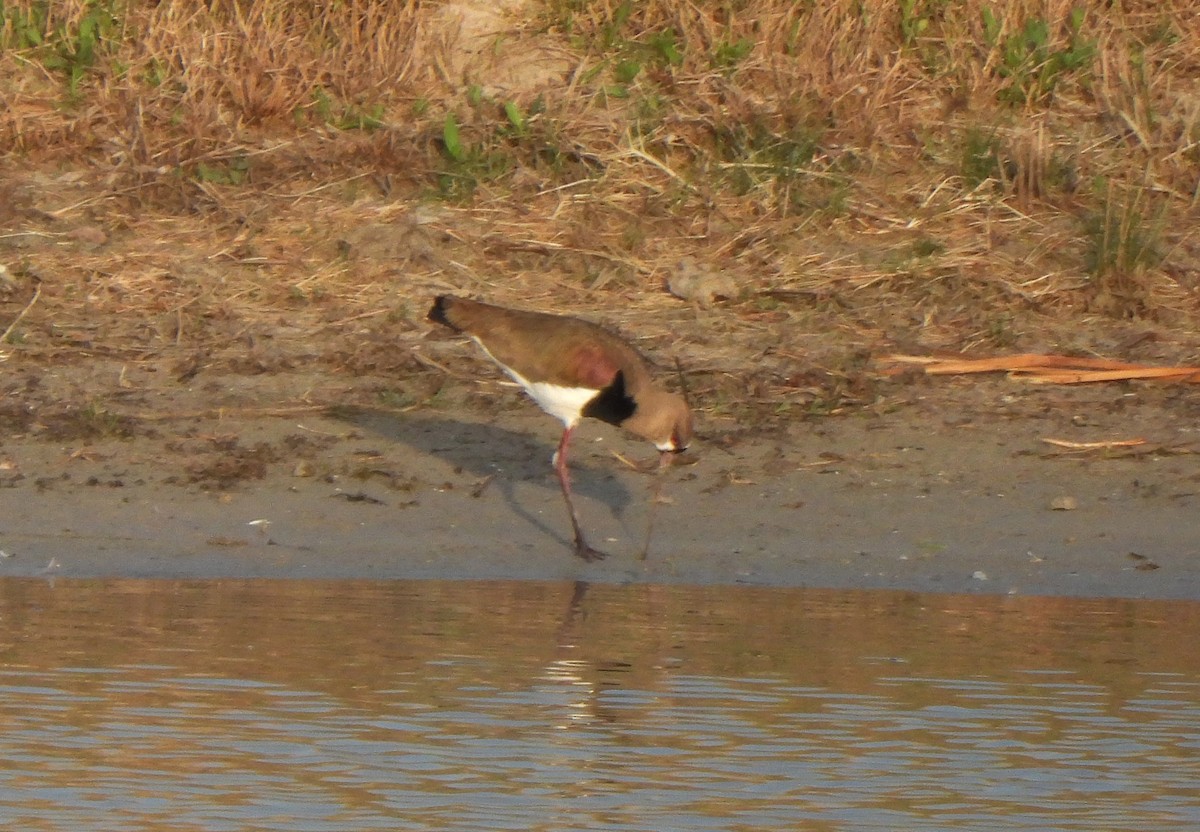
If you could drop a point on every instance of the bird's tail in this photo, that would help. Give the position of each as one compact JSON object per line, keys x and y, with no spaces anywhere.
{"x":438,"y":312}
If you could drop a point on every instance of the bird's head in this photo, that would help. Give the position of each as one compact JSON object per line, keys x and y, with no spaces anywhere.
{"x":664,"y":418}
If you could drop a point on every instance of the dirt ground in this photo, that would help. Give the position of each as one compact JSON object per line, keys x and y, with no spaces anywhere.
{"x":950,"y":487}
{"x":170,"y":411}
{"x":214,"y":359}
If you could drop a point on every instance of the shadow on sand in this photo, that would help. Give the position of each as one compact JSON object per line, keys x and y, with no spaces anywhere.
{"x":482,"y":450}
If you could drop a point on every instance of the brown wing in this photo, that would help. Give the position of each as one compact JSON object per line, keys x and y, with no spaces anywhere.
{"x":591,"y":366}
{"x":554,"y":348}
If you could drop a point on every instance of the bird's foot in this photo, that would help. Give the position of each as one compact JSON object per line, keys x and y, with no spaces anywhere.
{"x":587,"y":553}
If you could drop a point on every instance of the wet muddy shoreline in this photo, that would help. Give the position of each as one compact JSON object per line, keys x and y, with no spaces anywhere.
{"x":861,"y":502}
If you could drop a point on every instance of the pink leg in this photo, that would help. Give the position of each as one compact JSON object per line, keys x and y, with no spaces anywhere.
{"x":582,"y":549}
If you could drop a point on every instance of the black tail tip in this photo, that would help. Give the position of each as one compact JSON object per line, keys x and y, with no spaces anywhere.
{"x":437,"y":312}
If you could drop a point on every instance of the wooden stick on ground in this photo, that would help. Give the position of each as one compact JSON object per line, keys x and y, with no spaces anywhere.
{"x":1050,"y":369}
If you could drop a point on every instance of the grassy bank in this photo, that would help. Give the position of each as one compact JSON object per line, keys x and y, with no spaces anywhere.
{"x":968,"y":176}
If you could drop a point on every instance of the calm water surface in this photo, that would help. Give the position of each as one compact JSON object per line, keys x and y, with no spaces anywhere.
{"x":282,"y":705}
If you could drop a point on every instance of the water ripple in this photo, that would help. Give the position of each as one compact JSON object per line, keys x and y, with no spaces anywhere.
{"x":539,"y":718}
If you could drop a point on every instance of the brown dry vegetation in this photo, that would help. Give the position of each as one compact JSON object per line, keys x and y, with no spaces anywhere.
{"x":269,"y":186}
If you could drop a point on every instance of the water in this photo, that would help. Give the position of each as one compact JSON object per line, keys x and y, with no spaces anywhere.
{"x":542,"y":706}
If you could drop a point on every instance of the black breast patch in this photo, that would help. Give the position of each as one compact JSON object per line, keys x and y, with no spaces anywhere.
{"x":612,"y":404}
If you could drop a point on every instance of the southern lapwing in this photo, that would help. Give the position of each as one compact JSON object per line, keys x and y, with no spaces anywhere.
{"x":572,"y":369}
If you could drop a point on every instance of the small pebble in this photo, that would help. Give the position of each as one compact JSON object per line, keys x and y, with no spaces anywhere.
{"x":693,"y":282}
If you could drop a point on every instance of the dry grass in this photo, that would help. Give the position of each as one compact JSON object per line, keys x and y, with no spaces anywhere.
{"x":259,"y":183}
